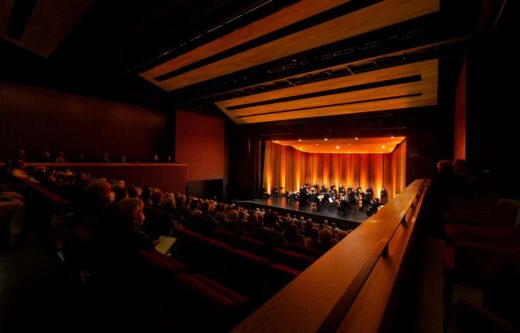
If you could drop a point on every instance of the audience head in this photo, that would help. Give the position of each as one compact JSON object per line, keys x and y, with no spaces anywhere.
{"x":444,"y":166}
{"x":128,"y":214}
{"x":100,"y":193}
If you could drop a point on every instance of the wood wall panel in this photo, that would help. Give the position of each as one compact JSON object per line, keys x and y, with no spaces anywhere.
{"x":354,"y":171}
{"x":37,"y":119}
{"x":334,"y":169}
{"x":326,"y":169}
{"x":459,"y":147}
{"x":387,"y":175}
{"x":200,"y":143}
{"x":364,"y":170}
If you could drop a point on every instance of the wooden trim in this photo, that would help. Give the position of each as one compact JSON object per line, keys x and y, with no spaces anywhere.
{"x":101,"y":164}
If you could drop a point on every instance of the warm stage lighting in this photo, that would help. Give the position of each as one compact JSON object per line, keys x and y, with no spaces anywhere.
{"x":383,"y":146}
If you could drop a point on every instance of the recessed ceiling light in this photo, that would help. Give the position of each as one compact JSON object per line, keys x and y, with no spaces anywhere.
{"x":301,"y":147}
{"x":326,"y":139}
{"x":392,"y":137}
{"x":276,"y":140}
{"x":316,"y":145}
{"x":349,"y":144}
{"x":356,"y":138}
{"x":337,"y":147}
{"x":383,"y":146}
{"x":299,"y":140}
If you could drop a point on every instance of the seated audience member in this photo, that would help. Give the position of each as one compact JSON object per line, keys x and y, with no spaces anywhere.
{"x":293,"y":236}
{"x":156,"y":158}
{"x":123,"y":159}
{"x":61,"y":157}
{"x":12,"y":214}
{"x":125,"y":226}
{"x":46,"y":156}
{"x":81,"y":158}
{"x":106,"y":158}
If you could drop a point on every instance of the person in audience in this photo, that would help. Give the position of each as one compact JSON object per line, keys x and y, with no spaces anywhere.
{"x":156,"y":158}
{"x":46,"y":156}
{"x":268,"y":233}
{"x":123,"y":159}
{"x":293,"y":236}
{"x":61,"y":157}
{"x":12,"y":214}
{"x":106,"y":158}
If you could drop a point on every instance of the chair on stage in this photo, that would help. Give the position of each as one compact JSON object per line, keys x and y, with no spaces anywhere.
{"x":313,"y":207}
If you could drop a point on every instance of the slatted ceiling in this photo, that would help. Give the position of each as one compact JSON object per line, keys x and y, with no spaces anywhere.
{"x":425,"y":68}
{"x":364,"y":20}
{"x":5,"y":13}
{"x":404,"y":52}
{"x":48,"y":17}
{"x":398,"y":96}
{"x":282,"y":18}
{"x":363,"y":107}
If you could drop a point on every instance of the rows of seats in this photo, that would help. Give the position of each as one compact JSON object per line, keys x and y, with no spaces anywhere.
{"x":250,"y":274}
{"x":483,"y":252}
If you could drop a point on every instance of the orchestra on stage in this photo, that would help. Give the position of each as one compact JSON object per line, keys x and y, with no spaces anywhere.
{"x":344,"y":200}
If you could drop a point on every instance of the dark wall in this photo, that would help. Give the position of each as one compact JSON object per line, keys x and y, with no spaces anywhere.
{"x":37,"y":119}
{"x":493,"y":117}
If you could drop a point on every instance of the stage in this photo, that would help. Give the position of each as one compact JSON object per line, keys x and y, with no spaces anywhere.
{"x":348,"y":220}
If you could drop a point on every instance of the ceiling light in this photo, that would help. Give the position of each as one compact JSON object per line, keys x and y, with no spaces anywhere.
{"x":383,"y":146}
{"x":356,"y":138}
{"x":301,"y":147}
{"x":348,"y":144}
{"x":337,"y":147}
{"x":316,"y":145}
{"x":326,"y":139}
{"x":299,"y":140}
{"x":276,"y":140}
{"x":392,"y":137}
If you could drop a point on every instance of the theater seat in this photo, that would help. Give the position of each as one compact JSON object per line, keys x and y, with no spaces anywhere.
{"x":471,"y":318}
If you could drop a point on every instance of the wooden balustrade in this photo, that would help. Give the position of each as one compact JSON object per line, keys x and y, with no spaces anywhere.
{"x":351,"y":287}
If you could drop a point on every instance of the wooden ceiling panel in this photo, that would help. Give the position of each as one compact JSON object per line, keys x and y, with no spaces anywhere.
{"x":398,"y":103}
{"x":282,"y":18}
{"x":48,"y":16}
{"x":425,"y":68}
{"x":367,"y":19}
{"x":421,"y":91}
{"x":50,"y":22}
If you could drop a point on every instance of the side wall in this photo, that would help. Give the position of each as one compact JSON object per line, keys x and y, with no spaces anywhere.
{"x":37,"y":119}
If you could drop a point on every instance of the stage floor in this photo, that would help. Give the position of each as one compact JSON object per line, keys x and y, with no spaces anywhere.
{"x":323,"y":213}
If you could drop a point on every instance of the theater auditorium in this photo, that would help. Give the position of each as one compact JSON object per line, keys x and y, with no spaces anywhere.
{"x":259,"y":166}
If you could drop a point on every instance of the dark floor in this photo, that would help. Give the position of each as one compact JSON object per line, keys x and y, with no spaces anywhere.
{"x":36,"y":293}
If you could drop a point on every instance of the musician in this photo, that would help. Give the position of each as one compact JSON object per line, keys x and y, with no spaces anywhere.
{"x":384,"y":196}
{"x":323,"y":189}
{"x":341,"y":190}
{"x":370,"y":193}
{"x":303,"y":196}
